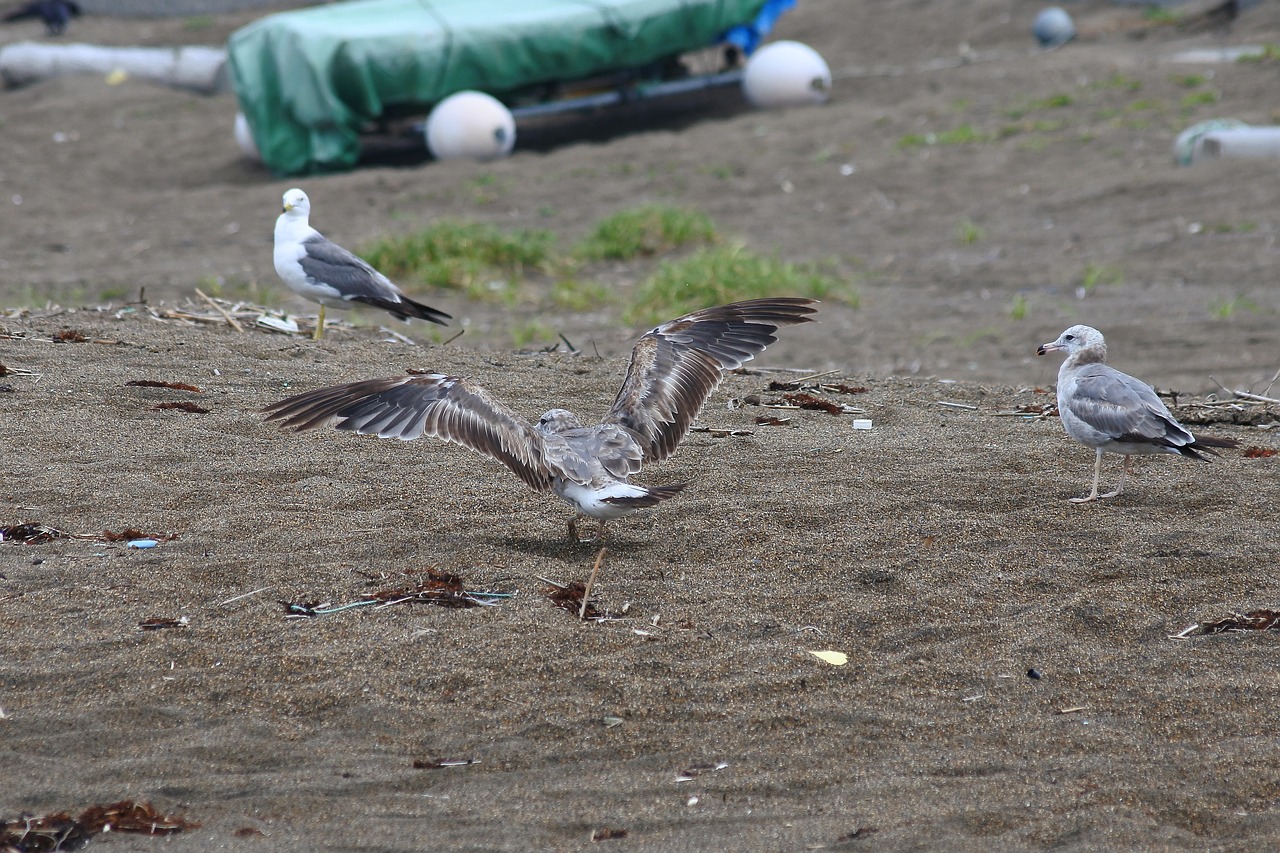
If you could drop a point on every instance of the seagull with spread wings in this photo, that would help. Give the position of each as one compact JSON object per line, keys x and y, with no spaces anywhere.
{"x":324,"y":272}
{"x":674,"y":368}
{"x":1110,"y":411}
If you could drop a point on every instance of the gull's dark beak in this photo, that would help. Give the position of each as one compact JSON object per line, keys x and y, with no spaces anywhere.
{"x":1044,"y":348}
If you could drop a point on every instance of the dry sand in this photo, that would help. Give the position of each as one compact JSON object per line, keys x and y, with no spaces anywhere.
{"x":937,"y":550}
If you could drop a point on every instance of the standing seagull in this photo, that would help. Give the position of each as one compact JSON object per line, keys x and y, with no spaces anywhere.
{"x":1105,"y":409}
{"x":674,"y":368}
{"x":324,"y":272}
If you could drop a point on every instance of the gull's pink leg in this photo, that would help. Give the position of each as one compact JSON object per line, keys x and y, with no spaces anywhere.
{"x":1093,"y":493}
{"x":1125,"y":468}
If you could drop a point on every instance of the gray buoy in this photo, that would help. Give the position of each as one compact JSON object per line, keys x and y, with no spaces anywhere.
{"x":1053,"y":27}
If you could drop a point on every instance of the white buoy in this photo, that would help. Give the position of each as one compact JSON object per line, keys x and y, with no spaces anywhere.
{"x":786,"y":74}
{"x":1053,"y":27}
{"x":1248,"y":143}
{"x":1188,"y":147}
{"x":470,"y":125}
{"x":244,"y":138}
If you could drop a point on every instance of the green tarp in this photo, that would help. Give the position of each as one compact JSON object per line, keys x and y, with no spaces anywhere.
{"x":309,"y":80}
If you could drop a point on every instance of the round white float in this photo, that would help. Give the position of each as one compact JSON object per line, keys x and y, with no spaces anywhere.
{"x":244,"y":138}
{"x":1053,"y":27}
{"x":786,"y":74}
{"x":470,"y":125}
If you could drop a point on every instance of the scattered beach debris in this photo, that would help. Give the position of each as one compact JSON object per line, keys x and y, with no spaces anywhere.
{"x":30,"y":534}
{"x":1031,"y":411}
{"x":1253,"y":620}
{"x":696,"y":770}
{"x":5,"y":370}
{"x":772,"y":420}
{"x":721,"y":432}
{"x":70,"y":336}
{"x":59,"y":831}
{"x":805,"y":400}
{"x":832,"y":657}
{"x":143,"y":544}
{"x":608,"y":833}
{"x":435,"y":763}
{"x":183,"y":406}
{"x":156,"y":383}
{"x":442,"y":589}
{"x":132,"y":534}
{"x":156,"y":623}
{"x":1254,"y":452}
{"x":572,"y":597}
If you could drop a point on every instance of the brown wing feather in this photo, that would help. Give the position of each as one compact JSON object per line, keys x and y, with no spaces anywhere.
{"x":675,"y":367}
{"x":409,"y":407}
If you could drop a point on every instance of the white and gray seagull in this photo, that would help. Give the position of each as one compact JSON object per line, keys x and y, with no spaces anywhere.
{"x":673,"y":370}
{"x":1110,"y":411}
{"x":324,"y":272}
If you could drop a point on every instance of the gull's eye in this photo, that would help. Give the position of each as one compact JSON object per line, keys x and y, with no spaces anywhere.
{"x":1068,"y":337}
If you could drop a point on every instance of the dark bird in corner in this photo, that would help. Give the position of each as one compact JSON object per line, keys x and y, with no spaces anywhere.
{"x":56,"y":14}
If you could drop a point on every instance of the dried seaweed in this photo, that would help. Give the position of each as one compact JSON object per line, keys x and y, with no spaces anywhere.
{"x":1254,"y":620}
{"x":571,"y":597}
{"x":772,"y":420}
{"x":1258,"y":452}
{"x":128,"y":816}
{"x":31,"y":834}
{"x":4,"y":371}
{"x":30,"y":534}
{"x":70,"y":336}
{"x":442,"y":589}
{"x":805,"y":400}
{"x":156,"y":383}
{"x":59,"y":831}
{"x":608,"y":833}
{"x":183,"y":405}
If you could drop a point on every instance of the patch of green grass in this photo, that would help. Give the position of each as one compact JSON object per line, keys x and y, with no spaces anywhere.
{"x":478,"y":259}
{"x":1223,"y":308}
{"x":969,"y":232}
{"x":1188,"y":81}
{"x":965,"y":134}
{"x":722,"y":172}
{"x":572,"y":294}
{"x":1233,"y":228}
{"x":1097,"y":275}
{"x":1143,"y":104}
{"x":1018,"y":308}
{"x":1053,"y":102}
{"x":1118,"y":81}
{"x":651,"y":229}
{"x":1191,"y":100}
{"x":198,"y":22}
{"x":486,"y":188}
{"x":1157,"y":15}
{"x":1269,"y":53}
{"x":720,"y":274}
{"x":240,"y":290}
{"x":526,"y":333}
